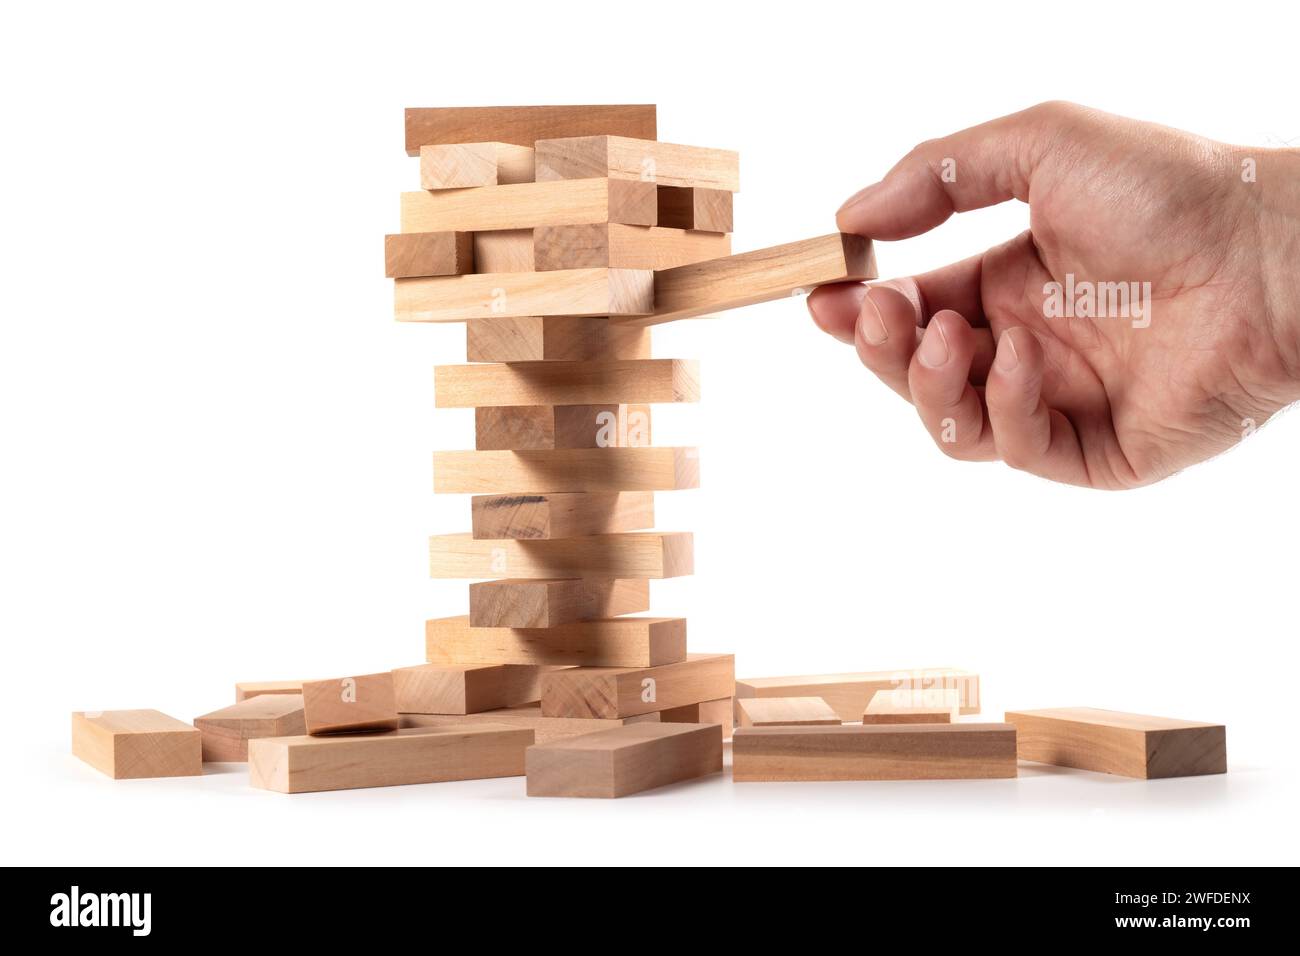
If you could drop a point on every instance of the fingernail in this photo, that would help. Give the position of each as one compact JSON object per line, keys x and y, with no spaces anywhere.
{"x":934,"y":347}
{"x":871,"y":323}
{"x":858,"y":197}
{"x":1006,"y":360}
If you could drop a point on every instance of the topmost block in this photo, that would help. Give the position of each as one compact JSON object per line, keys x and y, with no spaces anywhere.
{"x":524,"y":125}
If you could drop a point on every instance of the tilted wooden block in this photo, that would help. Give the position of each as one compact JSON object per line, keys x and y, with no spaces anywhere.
{"x":873,"y":752}
{"x":553,"y":338}
{"x":428,"y":254}
{"x":246,"y":689}
{"x":626,"y":760}
{"x":348,"y":704}
{"x":502,"y":250}
{"x":1109,"y":741}
{"x":527,"y":205}
{"x":458,"y":165}
{"x":643,"y":554}
{"x":645,"y":160}
{"x":642,"y":381}
{"x":595,"y":292}
{"x":459,"y":689}
{"x":934,"y":706}
{"x":565,"y":469}
{"x":624,"y":691}
{"x":394,"y":758}
{"x":705,"y":712}
{"x":785,"y":712}
{"x":688,"y":207}
{"x":538,"y":427}
{"x":524,"y":125}
{"x":848,"y":694}
{"x":226,"y":732}
{"x":540,"y":517}
{"x":529,"y":716}
{"x":132,"y":744}
{"x":550,"y":602}
{"x":606,"y":642}
{"x":618,"y":246}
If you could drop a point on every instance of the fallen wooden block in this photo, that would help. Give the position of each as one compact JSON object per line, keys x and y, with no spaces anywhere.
{"x":428,"y":254}
{"x":524,"y":125}
{"x":458,"y":165}
{"x":935,"y":706}
{"x":644,"y":554}
{"x":606,"y":642}
{"x":705,"y":712}
{"x":567,"y":383}
{"x":528,"y":205}
{"x":626,"y":760}
{"x":565,"y":469}
{"x":551,"y":602}
{"x":541,"y":427}
{"x":530,"y":717}
{"x":689,"y":207}
{"x":397,"y":757}
{"x":848,"y":694}
{"x":226,"y":732}
{"x":644,"y":160}
{"x":350,"y":704}
{"x":246,"y":689}
{"x":1108,"y":741}
{"x":538,"y":517}
{"x":618,"y":246}
{"x":133,"y":744}
{"x":874,"y":752}
{"x":502,"y":250}
{"x":595,"y":292}
{"x":553,"y":338}
{"x":459,"y":689}
{"x":625,"y":691}
{"x":785,"y":712}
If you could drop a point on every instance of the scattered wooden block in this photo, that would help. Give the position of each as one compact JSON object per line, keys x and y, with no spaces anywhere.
{"x":553,"y":338}
{"x":565,"y":469}
{"x":934,"y":706}
{"x":350,"y":704}
{"x":1108,"y":741}
{"x":550,"y":602}
{"x":624,"y":691}
{"x":848,"y":694}
{"x":459,"y":689}
{"x":226,"y":732}
{"x":529,"y":716}
{"x":428,"y":254}
{"x":626,"y":760}
{"x":596,"y":292}
{"x":132,"y":744}
{"x":644,"y":160}
{"x":874,"y":752}
{"x":539,"y":427}
{"x":605,"y":642}
{"x":246,"y":689}
{"x":458,"y":165}
{"x":502,"y":250}
{"x":785,"y":712}
{"x":689,"y":207}
{"x":705,"y":712}
{"x":539,"y":517}
{"x":395,"y":758}
{"x":567,"y":383}
{"x":527,"y":205}
{"x":618,"y":246}
{"x":644,"y":554}
{"x":523,"y":125}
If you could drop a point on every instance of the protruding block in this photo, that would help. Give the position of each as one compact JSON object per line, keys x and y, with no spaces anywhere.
{"x":605,"y":642}
{"x":785,"y":712}
{"x":644,"y":160}
{"x":428,"y":254}
{"x":460,"y":689}
{"x":131,"y":744}
{"x":624,"y":691}
{"x":458,"y":165}
{"x":645,"y":554}
{"x":551,"y":602}
{"x":933,"y":706}
{"x":530,"y":717}
{"x":226,"y":732}
{"x":553,"y":338}
{"x":705,"y":712}
{"x":350,"y":704}
{"x":596,"y":292}
{"x":1109,"y":741}
{"x":567,"y":383}
{"x":539,"y":517}
{"x":524,"y":125}
{"x":615,"y":763}
{"x":503,"y":250}
{"x":395,"y":758}
{"x":619,"y":246}
{"x":874,"y":752}
{"x":528,"y":205}
{"x":688,"y":207}
{"x":565,"y":469}
{"x":246,"y":689}
{"x":539,"y":427}
{"x":848,"y":694}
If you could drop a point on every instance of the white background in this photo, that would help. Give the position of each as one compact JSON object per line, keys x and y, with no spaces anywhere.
{"x":216,"y":441}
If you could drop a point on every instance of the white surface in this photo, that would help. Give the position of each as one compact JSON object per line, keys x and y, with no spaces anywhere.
{"x":216,"y":442}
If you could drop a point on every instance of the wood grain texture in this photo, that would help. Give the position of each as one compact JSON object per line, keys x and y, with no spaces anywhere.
{"x":640,"y":554}
{"x":134,"y":744}
{"x":623,"y":761}
{"x":350,"y":704}
{"x":848,"y":694}
{"x":527,"y":205}
{"x":618,"y":246}
{"x":539,"y":427}
{"x":541,"y":517}
{"x":459,"y":165}
{"x":529,"y":716}
{"x":226,"y":732}
{"x":625,"y":691}
{"x":553,"y":338}
{"x":428,"y":254}
{"x":502,"y":250}
{"x":524,"y":125}
{"x":1108,"y":741}
{"x":933,"y":706}
{"x":459,"y":298}
{"x":640,"y":159}
{"x":785,"y":712}
{"x":607,"y":642}
{"x":641,"y":381}
{"x":459,"y":689}
{"x":688,"y":207}
{"x":394,"y":758}
{"x":548,"y":602}
{"x":874,"y":752}
{"x":705,"y":712}
{"x":246,"y":689}
{"x":565,"y":469}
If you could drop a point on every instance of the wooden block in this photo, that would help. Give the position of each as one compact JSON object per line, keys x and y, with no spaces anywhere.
{"x":640,"y":381}
{"x":785,"y":712}
{"x":1108,"y":741}
{"x":540,"y":517}
{"x":618,"y":246}
{"x":132,"y":744}
{"x":502,"y":250}
{"x":526,"y":205}
{"x":605,"y":642}
{"x":529,"y":716}
{"x":874,"y":752}
{"x":538,"y":427}
{"x":624,"y":691}
{"x":428,"y":254}
{"x":705,"y":712}
{"x":350,"y":704}
{"x":688,"y":207}
{"x":933,"y":706}
{"x":516,"y":602}
{"x":246,"y":689}
{"x":848,"y":694}
{"x":751,"y":277}
{"x":460,"y":689}
{"x":226,"y":732}
{"x":458,"y":165}
{"x":565,"y":469}
{"x":395,"y":758}
{"x":626,"y":760}
{"x":553,"y":338}
{"x":644,"y":160}
{"x":595,"y":292}
{"x":642,"y":554}
{"x":524,"y":125}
